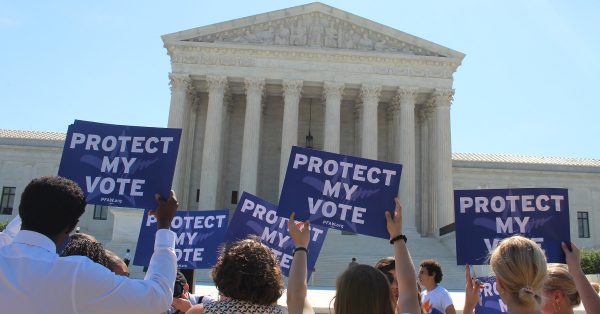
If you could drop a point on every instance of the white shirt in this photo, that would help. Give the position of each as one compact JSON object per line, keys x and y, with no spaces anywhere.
{"x":34,"y":279}
{"x":436,"y":301}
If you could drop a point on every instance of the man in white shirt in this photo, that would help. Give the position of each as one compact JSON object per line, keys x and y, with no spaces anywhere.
{"x":436,"y":299}
{"x":34,"y":279}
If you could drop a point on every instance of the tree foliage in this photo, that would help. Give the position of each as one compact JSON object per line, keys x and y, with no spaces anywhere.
{"x":590,"y":261}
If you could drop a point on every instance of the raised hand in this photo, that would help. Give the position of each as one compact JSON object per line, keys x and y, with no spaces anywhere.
{"x":300,"y":232}
{"x":394,"y":224}
{"x":165,"y":211}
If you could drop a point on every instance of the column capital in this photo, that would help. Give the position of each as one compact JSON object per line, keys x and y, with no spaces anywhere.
{"x":333,"y":89}
{"x":370,"y":91}
{"x":180,"y":80}
{"x":292,"y":87}
{"x":254,"y":84}
{"x":443,"y":97}
{"x":404,"y":92}
{"x":217,"y":83}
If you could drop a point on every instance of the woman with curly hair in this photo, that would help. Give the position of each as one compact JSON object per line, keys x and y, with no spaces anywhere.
{"x":249,"y":277}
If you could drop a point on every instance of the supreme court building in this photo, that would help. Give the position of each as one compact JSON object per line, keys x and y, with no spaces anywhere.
{"x":245,"y":91}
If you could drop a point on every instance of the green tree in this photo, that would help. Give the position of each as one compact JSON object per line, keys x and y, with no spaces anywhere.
{"x":3,"y":225}
{"x":590,"y":261}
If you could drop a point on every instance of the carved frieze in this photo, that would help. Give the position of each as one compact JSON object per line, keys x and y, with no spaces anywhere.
{"x":316,"y":30}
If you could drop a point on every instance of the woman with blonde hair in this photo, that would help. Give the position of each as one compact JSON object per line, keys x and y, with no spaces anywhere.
{"x":559,"y":294}
{"x":520,"y":268}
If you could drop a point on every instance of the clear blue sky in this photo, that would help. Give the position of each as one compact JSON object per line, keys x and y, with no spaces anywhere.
{"x":528,"y":85}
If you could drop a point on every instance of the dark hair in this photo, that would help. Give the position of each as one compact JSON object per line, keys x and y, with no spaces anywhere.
{"x":433,"y":266}
{"x":386,"y":265}
{"x":84,"y":247}
{"x":247,"y":270}
{"x":51,"y":204}
{"x":363,"y":289}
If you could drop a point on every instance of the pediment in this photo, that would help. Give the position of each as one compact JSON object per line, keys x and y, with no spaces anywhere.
{"x":314,"y":25}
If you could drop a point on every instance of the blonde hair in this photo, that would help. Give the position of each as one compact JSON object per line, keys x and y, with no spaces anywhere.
{"x":558,"y":278}
{"x":520,"y":265}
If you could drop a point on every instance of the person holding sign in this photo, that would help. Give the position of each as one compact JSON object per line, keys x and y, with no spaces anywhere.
{"x":249,"y":278}
{"x":34,"y":279}
{"x":564,"y":289}
{"x":364,"y":289}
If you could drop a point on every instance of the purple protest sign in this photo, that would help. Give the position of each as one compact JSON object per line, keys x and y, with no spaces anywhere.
{"x":255,"y":216}
{"x":119,"y":165}
{"x":199,"y":235}
{"x":489,"y":298}
{"x":340,"y":192}
{"x":485,"y":217}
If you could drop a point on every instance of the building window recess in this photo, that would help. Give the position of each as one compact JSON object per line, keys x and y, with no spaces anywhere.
{"x":8,"y":199}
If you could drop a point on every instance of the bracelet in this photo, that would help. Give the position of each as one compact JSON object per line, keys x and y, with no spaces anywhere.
{"x":300,"y":248}
{"x":398,"y":237}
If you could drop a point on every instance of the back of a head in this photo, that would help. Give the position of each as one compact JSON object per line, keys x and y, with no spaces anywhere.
{"x":51,"y":204}
{"x":363,"y":289}
{"x":558,"y":278}
{"x":116,"y":264}
{"x":520,"y":266}
{"x":83,"y":246}
{"x":247,"y":270}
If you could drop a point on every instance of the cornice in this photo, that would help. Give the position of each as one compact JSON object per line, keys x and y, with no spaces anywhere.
{"x":245,"y":56}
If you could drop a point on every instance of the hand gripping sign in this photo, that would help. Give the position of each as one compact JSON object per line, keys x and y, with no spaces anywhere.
{"x":255,"y":216}
{"x":199,"y":235}
{"x":119,"y":165}
{"x":485,"y":217}
{"x":340,"y":192}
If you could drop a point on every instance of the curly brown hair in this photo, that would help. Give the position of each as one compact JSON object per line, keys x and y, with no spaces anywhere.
{"x":433,"y":266}
{"x":247,"y":270}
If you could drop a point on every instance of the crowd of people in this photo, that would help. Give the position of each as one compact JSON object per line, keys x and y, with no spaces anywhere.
{"x":86,"y":278}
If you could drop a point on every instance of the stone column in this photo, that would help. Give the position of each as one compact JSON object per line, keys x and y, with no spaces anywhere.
{"x":211,"y":153}
{"x":443,"y":157}
{"x":332,"y":92}
{"x":289,"y":132}
{"x":252,"y":125}
{"x":404,"y":130}
{"x":370,"y":101}
{"x":427,"y":218}
{"x":180,"y":87}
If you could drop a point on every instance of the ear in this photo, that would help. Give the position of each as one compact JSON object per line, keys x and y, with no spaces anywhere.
{"x":557,"y":295}
{"x":186,"y":287}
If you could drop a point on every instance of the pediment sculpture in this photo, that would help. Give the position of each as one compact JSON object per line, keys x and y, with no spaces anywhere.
{"x":314,"y":30}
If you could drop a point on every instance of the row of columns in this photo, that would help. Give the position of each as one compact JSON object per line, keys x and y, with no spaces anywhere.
{"x":438,"y":148}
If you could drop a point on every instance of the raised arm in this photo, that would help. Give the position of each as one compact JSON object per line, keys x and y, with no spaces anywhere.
{"x":589,"y":297}
{"x":296,"y":292}
{"x":10,"y":231}
{"x":97,"y":290}
{"x":405,"y":270}
{"x":471,"y":292}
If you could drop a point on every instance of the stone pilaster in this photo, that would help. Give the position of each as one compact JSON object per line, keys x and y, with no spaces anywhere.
{"x":178,"y":111}
{"x":332,"y":92}
{"x":370,"y":100}
{"x":289,"y":133}
{"x":443,"y":171}
{"x":404,"y":129}
{"x":252,"y":126}
{"x":211,"y":154}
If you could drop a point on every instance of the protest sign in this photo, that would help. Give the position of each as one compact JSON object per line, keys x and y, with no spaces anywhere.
{"x":338,"y":191}
{"x":484,"y":217}
{"x":199,"y":235}
{"x":119,"y":165}
{"x":489,"y":298}
{"x":255,"y":216}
